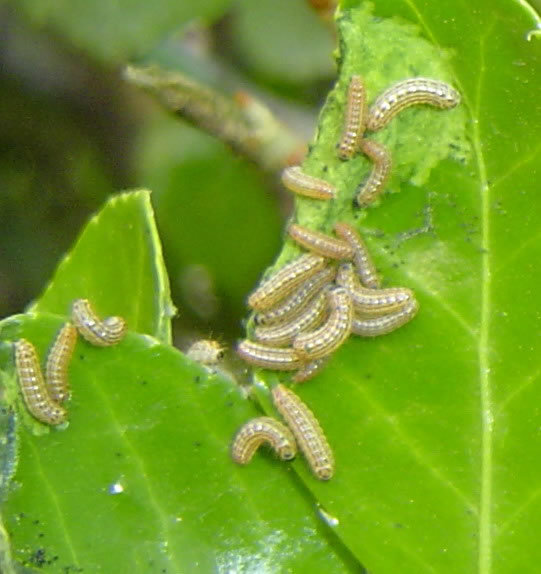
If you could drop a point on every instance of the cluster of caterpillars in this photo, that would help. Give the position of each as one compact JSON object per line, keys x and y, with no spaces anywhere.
{"x":301,"y":428}
{"x":44,"y":395}
{"x":358,"y":119}
{"x":308,"y":308}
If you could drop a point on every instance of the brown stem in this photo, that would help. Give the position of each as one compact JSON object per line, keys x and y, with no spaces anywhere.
{"x":242,"y":122}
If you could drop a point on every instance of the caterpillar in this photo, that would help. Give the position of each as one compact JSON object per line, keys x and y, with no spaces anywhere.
{"x":56,"y":370}
{"x":408,"y":93}
{"x":284,"y":333}
{"x":327,"y":338}
{"x":368,"y":192}
{"x":320,"y":243}
{"x":206,"y":351}
{"x":101,"y":333}
{"x":277,"y":358}
{"x":373,"y":327}
{"x":299,"y":182}
{"x":306,"y":430}
{"x":284,"y":281}
{"x":32,"y":385}
{"x":361,"y":257}
{"x":298,"y":300}
{"x":354,"y":119}
{"x":257,"y":431}
{"x":372,"y":302}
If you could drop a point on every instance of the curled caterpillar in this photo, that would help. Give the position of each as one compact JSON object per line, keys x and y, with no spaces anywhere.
{"x":374,"y":185}
{"x":409,"y":93}
{"x":361,"y":257}
{"x":327,"y":338}
{"x":258,"y":431}
{"x":102,"y":333}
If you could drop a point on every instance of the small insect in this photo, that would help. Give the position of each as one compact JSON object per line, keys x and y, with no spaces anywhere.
{"x":309,"y":370}
{"x":277,"y":358}
{"x":284,"y":333}
{"x":374,"y":327}
{"x":327,"y":338}
{"x":408,"y":93}
{"x":354,"y":119}
{"x":367,"y":192}
{"x":361,"y":257}
{"x":284,"y":281}
{"x":299,"y":182}
{"x":33,"y":389}
{"x":56,"y":370}
{"x":298,"y":300}
{"x":206,"y":351}
{"x":306,"y":430}
{"x":320,"y":243}
{"x":254,"y":433}
{"x":372,"y":302}
{"x":101,"y":333}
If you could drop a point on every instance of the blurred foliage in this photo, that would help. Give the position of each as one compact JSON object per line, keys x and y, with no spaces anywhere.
{"x":116,"y":31}
{"x":289,"y":29}
{"x":74,"y":134}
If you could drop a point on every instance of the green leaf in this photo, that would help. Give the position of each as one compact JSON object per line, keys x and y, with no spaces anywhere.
{"x":433,"y":424}
{"x":117,"y":264}
{"x":141,"y":479}
{"x":120,"y":30}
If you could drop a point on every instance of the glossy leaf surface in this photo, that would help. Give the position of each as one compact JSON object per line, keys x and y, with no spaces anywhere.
{"x":117,"y":264}
{"x":141,"y":478}
{"x":432,"y":425}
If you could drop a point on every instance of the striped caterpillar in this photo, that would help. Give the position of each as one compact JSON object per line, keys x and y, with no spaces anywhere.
{"x":56,"y":371}
{"x":306,"y":430}
{"x":409,"y":93}
{"x":259,"y":430}
{"x":102,"y":333}
{"x":32,"y":385}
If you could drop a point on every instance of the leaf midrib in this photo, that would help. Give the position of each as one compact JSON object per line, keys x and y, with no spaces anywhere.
{"x":486,"y":402}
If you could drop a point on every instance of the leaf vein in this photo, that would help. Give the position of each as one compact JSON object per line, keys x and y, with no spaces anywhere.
{"x":421,"y":457}
{"x":486,"y":401}
{"x":518,"y":390}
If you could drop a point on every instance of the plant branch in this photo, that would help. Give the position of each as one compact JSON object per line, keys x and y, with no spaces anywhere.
{"x":241,"y":121}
